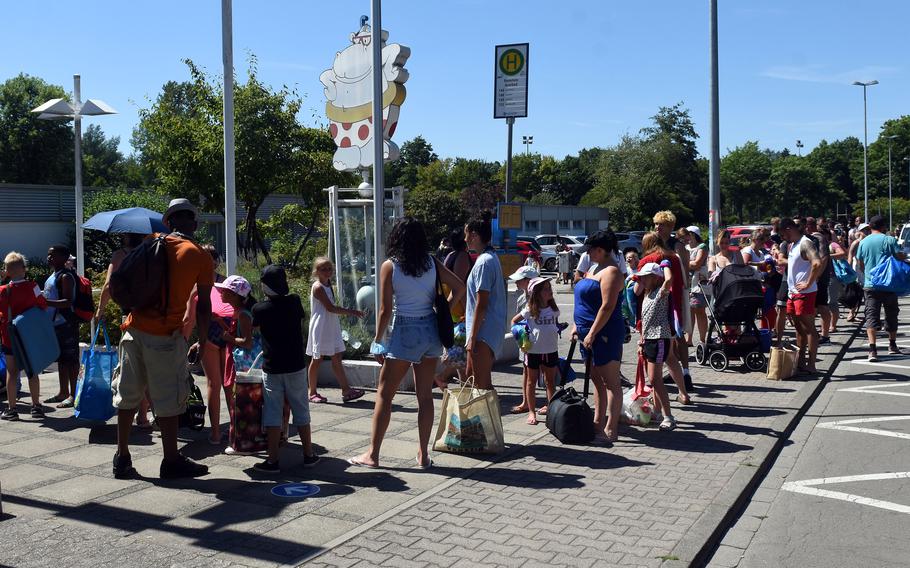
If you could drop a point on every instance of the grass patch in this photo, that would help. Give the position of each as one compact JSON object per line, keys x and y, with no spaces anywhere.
{"x":666,"y":557}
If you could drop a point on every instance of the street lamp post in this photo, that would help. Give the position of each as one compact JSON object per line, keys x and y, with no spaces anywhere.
{"x":890,"y":205}
{"x":714,"y":163}
{"x":60,"y":109}
{"x":527,"y":141}
{"x":799,"y":148}
{"x":865,"y":148}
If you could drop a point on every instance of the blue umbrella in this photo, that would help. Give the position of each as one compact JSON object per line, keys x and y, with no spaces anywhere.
{"x":132,"y":220}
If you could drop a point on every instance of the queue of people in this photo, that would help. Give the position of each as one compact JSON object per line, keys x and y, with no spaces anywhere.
{"x":664,"y":295}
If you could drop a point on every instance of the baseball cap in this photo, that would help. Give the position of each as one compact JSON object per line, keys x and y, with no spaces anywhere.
{"x":862,"y":227}
{"x":524,"y":272}
{"x":694,"y":229}
{"x":651,"y":268}
{"x":179,"y":204}
{"x":236,"y":284}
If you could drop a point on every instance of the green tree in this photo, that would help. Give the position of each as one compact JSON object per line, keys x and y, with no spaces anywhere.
{"x":439,"y":211}
{"x":842,"y":163}
{"x":433,"y":176}
{"x":32,"y":150}
{"x":102,"y":162}
{"x":181,"y":140}
{"x":878,"y":159}
{"x":415,"y":153}
{"x":467,"y":172}
{"x":744,"y":173}
{"x":797,"y":187}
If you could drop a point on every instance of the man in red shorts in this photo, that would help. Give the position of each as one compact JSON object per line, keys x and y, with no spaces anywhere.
{"x":804,"y":266}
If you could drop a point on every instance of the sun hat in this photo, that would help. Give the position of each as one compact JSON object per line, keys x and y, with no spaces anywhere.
{"x":535,"y":282}
{"x":694,"y":229}
{"x":862,"y":226}
{"x":524,"y":272}
{"x":179,"y":204}
{"x":236,"y":284}
{"x":651,"y":268}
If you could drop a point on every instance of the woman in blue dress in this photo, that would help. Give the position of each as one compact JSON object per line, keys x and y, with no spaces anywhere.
{"x":600,"y":327}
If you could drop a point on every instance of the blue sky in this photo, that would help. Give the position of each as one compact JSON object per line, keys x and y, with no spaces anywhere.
{"x":598,"y":69}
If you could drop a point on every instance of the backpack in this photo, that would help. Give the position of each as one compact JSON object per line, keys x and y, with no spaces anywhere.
{"x":83,"y":306}
{"x":142,"y":280}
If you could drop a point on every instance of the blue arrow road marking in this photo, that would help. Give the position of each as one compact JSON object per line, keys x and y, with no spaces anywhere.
{"x":298,"y":490}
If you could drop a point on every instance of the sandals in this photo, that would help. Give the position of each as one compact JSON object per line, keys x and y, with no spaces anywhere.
{"x":317,"y":398}
{"x":54,"y":399}
{"x":353,"y":394}
{"x":532,"y":420}
{"x":68,"y":403}
{"x":519,"y":409}
{"x":684,"y":401}
{"x":425,"y":465}
{"x":360,"y":463}
{"x":542,"y":411}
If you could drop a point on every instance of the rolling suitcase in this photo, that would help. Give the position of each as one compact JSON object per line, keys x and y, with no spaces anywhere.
{"x":569,"y":417}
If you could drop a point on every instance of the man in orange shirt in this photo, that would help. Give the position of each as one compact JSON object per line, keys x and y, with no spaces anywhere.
{"x":153,"y":350}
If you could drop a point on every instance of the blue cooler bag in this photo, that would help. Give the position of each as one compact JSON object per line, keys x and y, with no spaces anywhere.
{"x":94,"y":398}
{"x":34,"y":342}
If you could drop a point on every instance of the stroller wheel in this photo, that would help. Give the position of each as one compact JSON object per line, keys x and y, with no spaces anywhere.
{"x":701,"y":354}
{"x":755,"y":361}
{"x":718,"y":361}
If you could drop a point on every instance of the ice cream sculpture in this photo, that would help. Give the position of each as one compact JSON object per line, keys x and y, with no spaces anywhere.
{"x":349,"y":96}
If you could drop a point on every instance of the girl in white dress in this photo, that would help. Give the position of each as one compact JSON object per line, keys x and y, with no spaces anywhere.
{"x":324,"y":338}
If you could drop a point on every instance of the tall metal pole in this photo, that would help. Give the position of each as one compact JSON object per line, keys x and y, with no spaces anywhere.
{"x":378,"y":143}
{"x":865,"y":159}
{"x":230,"y":195}
{"x":77,"y":116}
{"x":714,"y":171}
{"x":509,"y":121}
{"x":890,"y":204}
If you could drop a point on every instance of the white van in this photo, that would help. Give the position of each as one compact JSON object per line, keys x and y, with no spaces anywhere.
{"x":903,"y":238}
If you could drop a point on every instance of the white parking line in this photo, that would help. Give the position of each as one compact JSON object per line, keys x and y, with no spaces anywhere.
{"x":843,"y":425}
{"x":889,"y":365}
{"x":874,"y":389}
{"x":807,"y":487}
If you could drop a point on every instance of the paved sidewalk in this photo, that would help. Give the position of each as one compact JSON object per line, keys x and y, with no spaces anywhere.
{"x":653,"y":497}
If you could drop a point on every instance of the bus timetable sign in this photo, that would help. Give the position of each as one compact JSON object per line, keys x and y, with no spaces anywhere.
{"x":510,"y":84}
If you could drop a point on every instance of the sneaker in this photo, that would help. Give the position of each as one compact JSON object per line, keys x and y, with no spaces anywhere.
{"x":10,"y":415}
{"x":37,"y":411}
{"x":123,"y":466}
{"x":182,"y":467}
{"x":310,"y":461}
{"x":267,"y":466}
{"x":893,"y":349}
{"x":669,"y":423}
{"x":873,"y":354}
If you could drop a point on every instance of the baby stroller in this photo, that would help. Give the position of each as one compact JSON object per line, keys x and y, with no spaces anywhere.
{"x":736,"y":302}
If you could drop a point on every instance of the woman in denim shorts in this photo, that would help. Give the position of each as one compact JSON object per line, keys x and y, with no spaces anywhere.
{"x":408,"y":281}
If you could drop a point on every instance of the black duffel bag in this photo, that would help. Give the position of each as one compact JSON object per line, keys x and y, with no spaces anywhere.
{"x":569,"y":417}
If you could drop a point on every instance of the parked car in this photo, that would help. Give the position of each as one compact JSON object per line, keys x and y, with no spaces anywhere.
{"x":546,"y":259}
{"x":549,"y":242}
{"x":738,"y":230}
{"x":630,"y":241}
{"x":525,"y":249}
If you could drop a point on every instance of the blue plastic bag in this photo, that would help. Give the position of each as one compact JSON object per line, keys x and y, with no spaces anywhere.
{"x":94,"y":398}
{"x":891,"y":275}
{"x":844,"y":272}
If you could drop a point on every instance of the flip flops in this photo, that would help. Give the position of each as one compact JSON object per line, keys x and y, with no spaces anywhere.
{"x":425,"y":465}
{"x":358,"y":463}
{"x":318,"y":398}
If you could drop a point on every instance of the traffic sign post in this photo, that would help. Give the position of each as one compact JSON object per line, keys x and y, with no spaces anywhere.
{"x":295,"y":490}
{"x":510,"y":92}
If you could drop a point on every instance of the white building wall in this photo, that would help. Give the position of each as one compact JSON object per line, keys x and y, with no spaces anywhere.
{"x":32,"y":238}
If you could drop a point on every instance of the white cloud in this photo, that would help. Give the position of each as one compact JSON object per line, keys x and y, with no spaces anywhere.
{"x":821,"y":74}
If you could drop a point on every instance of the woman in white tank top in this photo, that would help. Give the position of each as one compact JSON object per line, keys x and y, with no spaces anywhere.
{"x":407,"y":289}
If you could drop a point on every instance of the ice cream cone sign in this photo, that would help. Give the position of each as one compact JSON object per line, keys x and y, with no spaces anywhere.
{"x":349,"y":99}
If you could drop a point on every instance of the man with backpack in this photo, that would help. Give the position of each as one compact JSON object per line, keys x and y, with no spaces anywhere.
{"x":155,"y":282}
{"x":872,"y":251}
{"x":60,"y":291}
